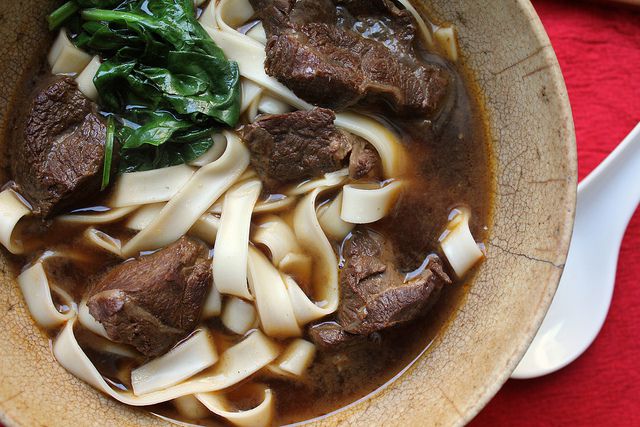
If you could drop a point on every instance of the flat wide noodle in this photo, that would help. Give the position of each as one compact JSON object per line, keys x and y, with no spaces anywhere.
{"x":191,"y":408}
{"x":276,"y":235}
{"x":305,"y":310}
{"x":458,"y":244}
{"x":205,"y":228}
{"x":270,"y":105}
{"x":250,"y":93}
{"x":260,"y":416}
{"x":142,"y":188}
{"x":258,"y":33}
{"x":231,"y":14}
{"x":85,"y":79}
{"x":250,"y":56}
{"x":106,"y":217}
{"x":208,"y":16}
{"x":232,"y":241}
{"x":236,"y":364}
{"x":65,"y":58}
{"x":297,"y":265}
{"x":329,"y":217}
{"x":296,"y":358}
{"x":12,"y":209}
{"x":273,"y":204}
{"x":329,"y":180}
{"x":103,"y":241}
{"x":89,"y":322}
{"x":212,"y":305}
{"x":36,"y":291}
{"x":143,"y":216}
{"x":325,"y":269}
{"x":193,"y":200}
{"x":238,"y":315}
{"x":447,"y":40}
{"x":365,"y":204}
{"x":277,"y":318}
{"x":191,"y":356}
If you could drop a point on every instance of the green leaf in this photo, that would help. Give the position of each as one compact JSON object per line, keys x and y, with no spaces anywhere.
{"x":155,"y":132}
{"x":108,"y":152}
{"x":62,"y":14}
{"x":162,"y":74}
{"x":149,"y":157}
{"x":100,"y":3}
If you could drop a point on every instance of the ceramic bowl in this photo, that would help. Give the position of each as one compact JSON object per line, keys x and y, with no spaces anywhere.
{"x":508,"y":52}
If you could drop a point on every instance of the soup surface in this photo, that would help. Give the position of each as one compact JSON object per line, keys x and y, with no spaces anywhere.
{"x":393,"y":164}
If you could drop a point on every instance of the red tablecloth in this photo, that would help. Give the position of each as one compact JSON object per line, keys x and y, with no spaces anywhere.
{"x":598,"y":47}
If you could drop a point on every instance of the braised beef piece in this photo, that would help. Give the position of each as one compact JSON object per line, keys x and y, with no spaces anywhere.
{"x":279,"y":15}
{"x":58,"y":154}
{"x":330,"y":336}
{"x":341,"y":59}
{"x":303,"y":144}
{"x":374,"y":294}
{"x":364,"y":161}
{"x":382,"y":21}
{"x":155,"y":300}
{"x":381,"y":8}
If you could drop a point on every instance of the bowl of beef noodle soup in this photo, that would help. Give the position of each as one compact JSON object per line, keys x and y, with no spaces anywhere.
{"x":266,"y":212}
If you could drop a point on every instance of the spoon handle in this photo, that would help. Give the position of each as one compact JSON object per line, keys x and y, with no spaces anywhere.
{"x":612,"y":191}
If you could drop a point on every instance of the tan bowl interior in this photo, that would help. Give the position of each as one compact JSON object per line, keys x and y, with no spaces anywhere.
{"x":533,"y":138}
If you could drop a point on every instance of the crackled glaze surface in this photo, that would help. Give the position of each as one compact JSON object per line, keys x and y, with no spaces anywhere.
{"x":532,"y":133}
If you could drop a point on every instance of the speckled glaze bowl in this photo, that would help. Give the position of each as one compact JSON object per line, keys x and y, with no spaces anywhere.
{"x":507,"y":49}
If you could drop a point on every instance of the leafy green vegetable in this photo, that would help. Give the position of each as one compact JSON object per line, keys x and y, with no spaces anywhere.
{"x":155,"y":132}
{"x":61,"y":14}
{"x":162,"y":74}
{"x":148,"y":157}
{"x":108,"y":152}
{"x":99,"y":3}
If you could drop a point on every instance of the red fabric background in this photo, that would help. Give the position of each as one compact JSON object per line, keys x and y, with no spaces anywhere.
{"x":598,"y":47}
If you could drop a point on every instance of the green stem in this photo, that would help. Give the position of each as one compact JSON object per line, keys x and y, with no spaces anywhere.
{"x":108,"y":152}
{"x":61,"y":14}
{"x":116,"y":16}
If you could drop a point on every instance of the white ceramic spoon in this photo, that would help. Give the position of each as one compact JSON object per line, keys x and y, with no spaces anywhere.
{"x":607,"y":199}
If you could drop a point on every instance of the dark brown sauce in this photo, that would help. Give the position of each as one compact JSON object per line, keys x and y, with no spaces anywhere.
{"x":453,"y":168}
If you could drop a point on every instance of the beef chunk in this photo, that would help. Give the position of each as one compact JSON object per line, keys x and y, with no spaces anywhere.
{"x":330,"y":336}
{"x":347,"y":61}
{"x":278,"y":15}
{"x":59,"y":151}
{"x":156,"y":300}
{"x":375,"y":295}
{"x":382,"y":21}
{"x":364,"y":161}
{"x":295,"y":146}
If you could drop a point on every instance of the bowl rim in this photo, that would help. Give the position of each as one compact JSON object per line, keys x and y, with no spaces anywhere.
{"x":538,"y":31}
